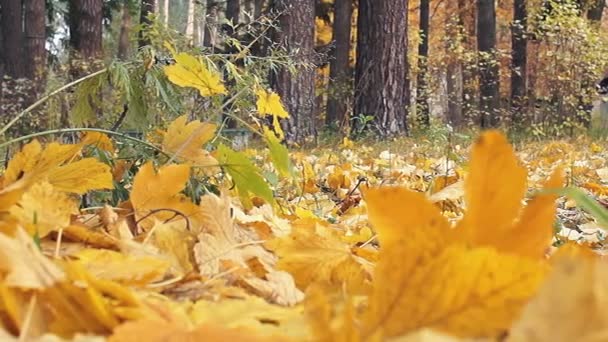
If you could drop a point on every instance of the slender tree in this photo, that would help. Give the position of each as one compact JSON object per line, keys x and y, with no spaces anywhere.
{"x":488,"y":68}
{"x":381,"y":72}
{"x":519,"y":60}
{"x":422,"y":91}
{"x":147,"y":9}
{"x":466,"y":20}
{"x":125,"y":29}
{"x":340,"y":73}
{"x":454,"y":84}
{"x":297,"y":34}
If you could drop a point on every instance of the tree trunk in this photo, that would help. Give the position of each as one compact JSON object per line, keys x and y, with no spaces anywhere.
{"x":297,"y":90}
{"x":147,"y":9}
{"x":596,"y":11}
{"x":381,"y":73}
{"x":190,"y":21}
{"x":422,"y":91}
{"x":85,"y":28}
{"x":519,"y":61}
{"x":466,"y":19}
{"x":340,"y":73}
{"x":166,"y":12}
{"x":12,"y":50}
{"x":453,"y":68}
{"x":35,"y":34}
{"x":125,"y":29}
{"x":488,"y":68}
{"x":211,"y":20}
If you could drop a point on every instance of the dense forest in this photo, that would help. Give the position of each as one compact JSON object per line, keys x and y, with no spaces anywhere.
{"x":352,"y":67}
{"x":303,"y":170}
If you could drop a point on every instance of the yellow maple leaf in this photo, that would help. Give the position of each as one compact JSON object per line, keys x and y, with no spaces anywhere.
{"x":429,"y":275}
{"x":43,"y":209}
{"x":186,"y":141}
{"x":157,"y":195}
{"x":494,"y":190}
{"x":314,"y":253}
{"x":97,"y":139}
{"x":189,"y":71}
{"x":81,"y":176}
{"x":121,"y":268}
{"x":269,"y":103}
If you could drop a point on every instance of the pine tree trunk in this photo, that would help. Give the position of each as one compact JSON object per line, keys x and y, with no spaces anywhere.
{"x":125,"y":29}
{"x":381,"y":73}
{"x":488,"y":69}
{"x":85,"y":28}
{"x":35,"y":39}
{"x":422,"y":91}
{"x":166,"y":12}
{"x":519,"y":61}
{"x":147,"y":9}
{"x":340,"y":73}
{"x":297,"y":90}
{"x":12,"y":50}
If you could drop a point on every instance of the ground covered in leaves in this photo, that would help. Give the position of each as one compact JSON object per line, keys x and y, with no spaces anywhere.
{"x":416,"y":240}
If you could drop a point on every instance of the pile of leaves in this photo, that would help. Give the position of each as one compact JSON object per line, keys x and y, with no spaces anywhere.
{"x":362,"y":244}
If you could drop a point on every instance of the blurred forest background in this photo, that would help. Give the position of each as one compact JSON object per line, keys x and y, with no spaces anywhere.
{"x":342,"y":67}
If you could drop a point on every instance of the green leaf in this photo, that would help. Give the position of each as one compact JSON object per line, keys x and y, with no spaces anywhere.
{"x":278,"y":154}
{"x":585,"y":202}
{"x":246,"y":176}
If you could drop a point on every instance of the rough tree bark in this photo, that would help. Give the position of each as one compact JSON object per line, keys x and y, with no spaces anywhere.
{"x":519,"y":61}
{"x":340,"y":73}
{"x":422,"y":92}
{"x":381,"y":72}
{"x":453,"y":70}
{"x":297,"y":90}
{"x":12,"y":50}
{"x":85,"y":28}
{"x":488,"y":69}
{"x":35,"y":38}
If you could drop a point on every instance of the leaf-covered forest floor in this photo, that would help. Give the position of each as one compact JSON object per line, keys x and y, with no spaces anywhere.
{"x":418,"y":239}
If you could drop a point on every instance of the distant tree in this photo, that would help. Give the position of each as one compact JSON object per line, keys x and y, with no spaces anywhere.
{"x":297,"y":34}
{"x":596,"y":10}
{"x":466,"y":20}
{"x":12,"y":52}
{"x":147,"y":9}
{"x":488,"y":69}
{"x":454,"y":81}
{"x":125,"y":28}
{"x":422,"y":91}
{"x":381,"y":72}
{"x":85,"y":19}
{"x":340,"y":73}
{"x":519,"y":61}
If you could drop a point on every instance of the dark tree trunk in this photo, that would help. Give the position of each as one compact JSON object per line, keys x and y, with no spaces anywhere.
{"x":211,"y":24}
{"x":466,"y":19}
{"x":596,"y":11}
{"x":488,"y":69}
{"x":340,"y":73}
{"x":85,"y":28}
{"x":422,"y":91}
{"x":12,"y":51}
{"x":298,"y":90}
{"x":381,"y":73}
{"x":125,"y":28}
{"x":519,"y":61}
{"x":147,"y":9}
{"x":35,"y":39}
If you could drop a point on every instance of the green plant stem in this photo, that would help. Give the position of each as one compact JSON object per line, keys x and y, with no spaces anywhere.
{"x":68,"y":130}
{"x":48,"y":96}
